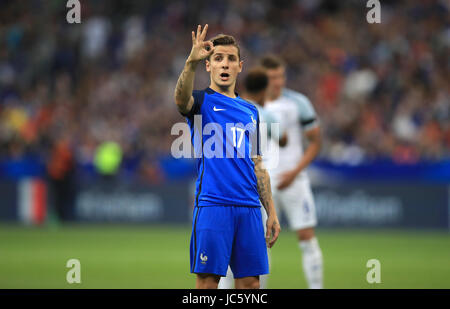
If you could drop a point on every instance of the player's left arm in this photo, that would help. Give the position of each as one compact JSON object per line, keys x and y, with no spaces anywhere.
{"x":314,"y":143}
{"x":313,"y":135}
{"x":265,"y":196}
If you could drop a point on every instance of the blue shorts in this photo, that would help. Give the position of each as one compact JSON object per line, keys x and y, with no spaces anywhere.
{"x":228,"y":235}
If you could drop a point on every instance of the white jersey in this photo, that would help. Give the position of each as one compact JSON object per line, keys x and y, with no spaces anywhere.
{"x":270,"y":129}
{"x":297,"y":115}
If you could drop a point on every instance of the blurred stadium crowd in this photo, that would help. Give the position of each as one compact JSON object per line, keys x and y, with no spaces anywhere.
{"x":382,"y":91}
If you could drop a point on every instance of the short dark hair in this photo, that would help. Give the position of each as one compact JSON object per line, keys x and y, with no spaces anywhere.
{"x":225,"y":39}
{"x":256,"y":80}
{"x":272,"y":62}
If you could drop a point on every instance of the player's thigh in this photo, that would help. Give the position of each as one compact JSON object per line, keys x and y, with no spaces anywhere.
{"x":298,"y":205}
{"x":249,"y":254}
{"x":211,"y":240}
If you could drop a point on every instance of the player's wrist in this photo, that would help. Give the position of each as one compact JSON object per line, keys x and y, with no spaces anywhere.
{"x":298,"y":169}
{"x":191,"y":63}
{"x":273,"y":216}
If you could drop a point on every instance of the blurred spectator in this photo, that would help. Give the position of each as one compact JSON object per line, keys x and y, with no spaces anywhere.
{"x":60,"y":169}
{"x":381,"y":91}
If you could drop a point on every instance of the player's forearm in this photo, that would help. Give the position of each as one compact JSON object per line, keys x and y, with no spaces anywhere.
{"x":312,"y":151}
{"x":308,"y":156}
{"x":264,"y":188}
{"x":185,"y":85}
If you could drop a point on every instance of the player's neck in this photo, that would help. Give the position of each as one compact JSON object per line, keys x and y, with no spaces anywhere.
{"x":226,"y":91}
{"x":273,"y":98}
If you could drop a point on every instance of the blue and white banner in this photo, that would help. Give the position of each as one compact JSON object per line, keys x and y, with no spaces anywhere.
{"x":383,"y":205}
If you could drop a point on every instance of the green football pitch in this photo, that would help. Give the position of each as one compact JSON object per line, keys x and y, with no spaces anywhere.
{"x":116,"y":256}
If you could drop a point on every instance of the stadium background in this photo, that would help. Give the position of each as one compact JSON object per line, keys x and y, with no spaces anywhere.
{"x":86,"y":113}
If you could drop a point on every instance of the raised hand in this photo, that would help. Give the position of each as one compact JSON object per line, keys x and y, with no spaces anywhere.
{"x":201,"y":49}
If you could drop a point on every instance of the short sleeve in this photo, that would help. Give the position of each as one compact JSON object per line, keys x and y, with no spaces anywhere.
{"x":307,"y":114}
{"x":198,"y":96}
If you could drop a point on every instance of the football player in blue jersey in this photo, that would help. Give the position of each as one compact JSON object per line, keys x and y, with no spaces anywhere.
{"x":255,"y":85}
{"x":232,"y":183}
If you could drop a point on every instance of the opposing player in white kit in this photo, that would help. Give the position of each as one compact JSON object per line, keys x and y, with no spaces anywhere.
{"x":290,"y":184}
{"x":255,"y":84}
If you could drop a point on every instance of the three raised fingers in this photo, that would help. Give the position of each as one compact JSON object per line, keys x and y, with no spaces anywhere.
{"x":201,"y":34}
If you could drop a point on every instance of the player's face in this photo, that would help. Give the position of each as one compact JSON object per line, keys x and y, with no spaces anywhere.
{"x":277,"y":81}
{"x":224,"y":65}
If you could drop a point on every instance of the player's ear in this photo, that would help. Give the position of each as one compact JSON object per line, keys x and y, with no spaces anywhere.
{"x":240,"y":66}
{"x":208,"y":68}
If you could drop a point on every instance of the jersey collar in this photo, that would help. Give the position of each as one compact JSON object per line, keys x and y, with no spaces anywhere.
{"x":211,"y":91}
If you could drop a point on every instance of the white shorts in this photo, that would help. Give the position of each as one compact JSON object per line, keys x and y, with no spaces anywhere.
{"x":264,"y":218}
{"x":297,"y":204}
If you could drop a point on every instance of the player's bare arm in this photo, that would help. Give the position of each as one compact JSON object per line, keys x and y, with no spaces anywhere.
{"x":265,"y":195}
{"x":201,"y":49}
{"x":314,"y":144}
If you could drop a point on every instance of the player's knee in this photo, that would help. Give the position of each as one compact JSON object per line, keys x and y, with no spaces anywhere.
{"x":305,"y":234}
{"x":248,"y":284}
{"x":254,"y":285}
{"x":207,"y":285}
{"x":207,"y":281}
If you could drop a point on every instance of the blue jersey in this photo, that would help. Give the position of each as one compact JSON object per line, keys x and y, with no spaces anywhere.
{"x":225,"y":135}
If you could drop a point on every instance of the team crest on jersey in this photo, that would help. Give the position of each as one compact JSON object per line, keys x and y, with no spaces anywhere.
{"x":204,"y":258}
